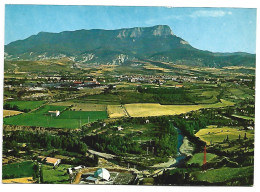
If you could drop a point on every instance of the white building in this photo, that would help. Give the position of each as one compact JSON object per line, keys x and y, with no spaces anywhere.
{"x":56,"y":113}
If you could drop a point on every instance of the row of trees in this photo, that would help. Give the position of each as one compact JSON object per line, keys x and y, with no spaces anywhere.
{"x":46,"y":141}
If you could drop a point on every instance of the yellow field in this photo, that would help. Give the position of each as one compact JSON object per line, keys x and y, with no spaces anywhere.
{"x":216,"y":135}
{"x":19,"y":180}
{"x":154,"y":109}
{"x":7,"y":113}
{"x":116,"y":111}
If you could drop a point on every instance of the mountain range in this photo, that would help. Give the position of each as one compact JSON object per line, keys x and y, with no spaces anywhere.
{"x":120,"y":46}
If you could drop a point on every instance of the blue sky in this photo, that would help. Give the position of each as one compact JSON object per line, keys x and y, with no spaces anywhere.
{"x":213,"y":29}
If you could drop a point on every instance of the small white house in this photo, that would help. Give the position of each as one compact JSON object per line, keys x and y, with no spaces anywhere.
{"x":56,"y":113}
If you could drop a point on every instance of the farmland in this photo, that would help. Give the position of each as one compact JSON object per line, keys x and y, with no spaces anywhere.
{"x":19,"y":180}
{"x":116,"y":111}
{"x":151,"y":109}
{"x":214,"y":134}
{"x":7,"y":113}
{"x":22,"y":105}
{"x":67,"y":119}
{"x":76,"y":106}
{"x":18,"y":170}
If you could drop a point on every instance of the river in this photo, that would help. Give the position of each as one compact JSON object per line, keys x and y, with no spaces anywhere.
{"x":180,"y":158}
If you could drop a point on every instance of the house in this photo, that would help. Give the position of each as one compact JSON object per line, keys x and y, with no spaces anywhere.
{"x":49,"y":160}
{"x":56,"y":113}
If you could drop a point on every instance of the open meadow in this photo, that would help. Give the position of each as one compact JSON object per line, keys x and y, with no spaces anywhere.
{"x":67,"y":119}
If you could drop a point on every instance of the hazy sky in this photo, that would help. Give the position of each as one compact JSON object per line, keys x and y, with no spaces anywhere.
{"x":213,"y":29}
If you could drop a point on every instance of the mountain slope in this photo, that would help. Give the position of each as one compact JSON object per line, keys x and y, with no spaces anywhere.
{"x":117,"y":46}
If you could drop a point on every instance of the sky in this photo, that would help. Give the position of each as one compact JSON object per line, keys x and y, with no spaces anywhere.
{"x":213,"y":29}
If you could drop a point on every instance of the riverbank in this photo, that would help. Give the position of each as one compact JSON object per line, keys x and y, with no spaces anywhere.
{"x":171,"y":161}
{"x":186,"y":147}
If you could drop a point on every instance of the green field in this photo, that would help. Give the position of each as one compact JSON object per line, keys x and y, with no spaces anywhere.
{"x":26,"y":104}
{"x":67,"y":119}
{"x":18,"y":170}
{"x":223,"y":174}
{"x":56,"y":176}
{"x":198,"y":158}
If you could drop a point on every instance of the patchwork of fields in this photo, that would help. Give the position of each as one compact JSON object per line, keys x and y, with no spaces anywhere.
{"x":74,"y":114}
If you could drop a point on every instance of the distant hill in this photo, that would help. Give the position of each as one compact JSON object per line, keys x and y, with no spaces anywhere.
{"x":99,"y":46}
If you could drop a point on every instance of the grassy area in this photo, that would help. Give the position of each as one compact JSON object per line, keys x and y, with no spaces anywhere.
{"x":67,"y":119}
{"x":18,"y":170}
{"x":58,"y":175}
{"x":26,"y":104}
{"x":223,"y":174}
{"x":7,"y":113}
{"x":198,"y":158}
{"x":216,"y":134}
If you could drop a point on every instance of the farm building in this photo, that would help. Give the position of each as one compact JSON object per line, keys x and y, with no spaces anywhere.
{"x":56,"y":113}
{"x":50,"y":160}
